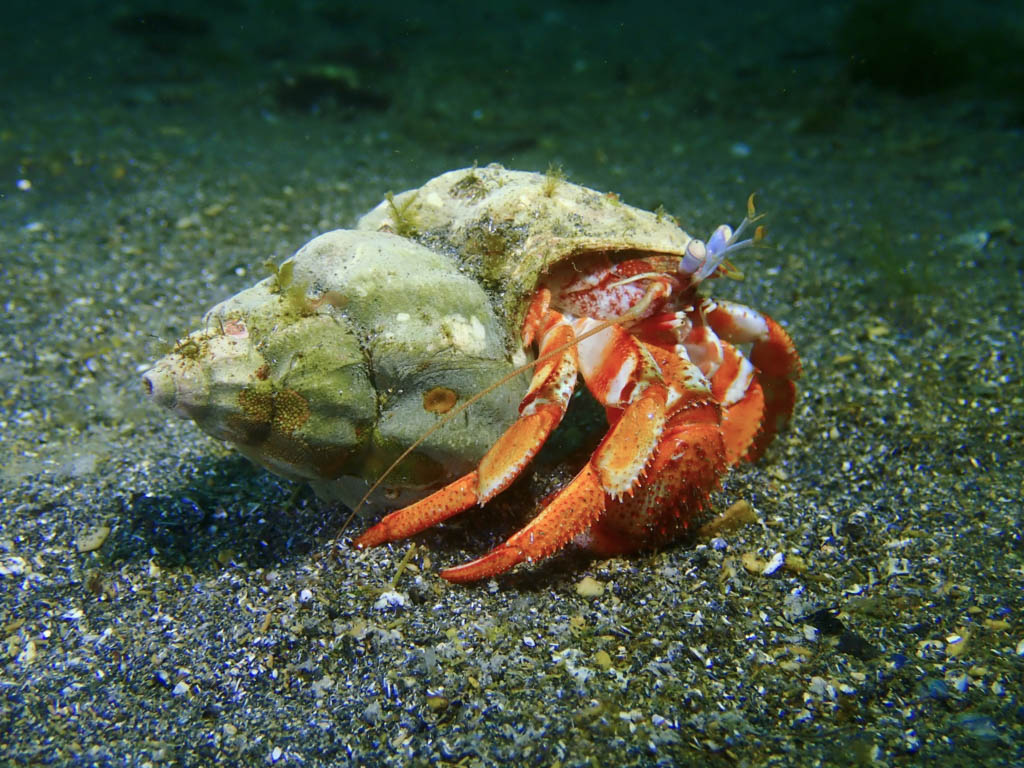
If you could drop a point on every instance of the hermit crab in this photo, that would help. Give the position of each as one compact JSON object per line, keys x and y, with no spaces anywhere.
{"x":334,"y":368}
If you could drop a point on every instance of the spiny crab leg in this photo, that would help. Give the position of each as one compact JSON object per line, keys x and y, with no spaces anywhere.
{"x":435,"y":508}
{"x":621,"y":374}
{"x":541,"y":410}
{"x":615,"y":362}
{"x":571,"y":512}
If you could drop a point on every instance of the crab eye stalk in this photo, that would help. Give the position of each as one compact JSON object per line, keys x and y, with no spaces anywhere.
{"x":694,"y":257}
{"x":725,"y":242}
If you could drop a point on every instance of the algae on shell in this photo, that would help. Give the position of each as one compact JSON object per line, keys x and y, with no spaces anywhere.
{"x":507,"y":228}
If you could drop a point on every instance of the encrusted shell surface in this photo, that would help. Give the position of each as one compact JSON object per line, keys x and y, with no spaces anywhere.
{"x":507,"y":228}
{"x":326,"y":371}
{"x":329,"y":377}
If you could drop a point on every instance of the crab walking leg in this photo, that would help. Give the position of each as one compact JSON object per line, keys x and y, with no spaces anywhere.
{"x":667,"y":330}
{"x":733,"y":382}
{"x":536,"y":313}
{"x":735,"y":385}
{"x":573,"y":509}
{"x":582,"y":502}
{"x":621,"y":374}
{"x":689,"y":459}
{"x":616,"y":365}
{"x":540,"y":412}
{"x":685,"y":470}
{"x":774,"y":356}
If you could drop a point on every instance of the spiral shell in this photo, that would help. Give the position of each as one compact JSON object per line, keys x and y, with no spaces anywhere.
{"x":328,"y":370}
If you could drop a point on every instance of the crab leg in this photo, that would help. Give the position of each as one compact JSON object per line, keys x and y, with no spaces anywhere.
{"x":536,"y":313}
{"x":621,"y":374}
{"x":685,"y":470}
{"x":735,"y":385}
{"x":667,"y":330}
{"x":689,"y":458}
{"x":540,"y":412}
{"x":732,"y":378}
{"x":773,"y":354}
{"x":573,"y":509}
{"x":616,"y":366}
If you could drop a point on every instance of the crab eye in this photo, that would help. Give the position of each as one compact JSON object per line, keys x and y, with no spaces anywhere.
{"x":720,"y":239}
{"x":694,"y":257}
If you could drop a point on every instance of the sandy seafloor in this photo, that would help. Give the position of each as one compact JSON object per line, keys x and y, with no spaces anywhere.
{"x":149,"y":165}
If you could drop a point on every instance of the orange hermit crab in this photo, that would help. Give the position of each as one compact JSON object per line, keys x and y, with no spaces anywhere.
{"x":683,"y":402}
{"x":375,"y":334}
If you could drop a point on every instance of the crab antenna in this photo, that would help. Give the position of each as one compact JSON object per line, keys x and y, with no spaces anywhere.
{"x":636,"y":309}
{"x":635,"y":279}
{"x":751,"y":217}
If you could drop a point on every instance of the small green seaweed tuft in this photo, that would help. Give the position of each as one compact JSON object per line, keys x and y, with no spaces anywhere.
{"x":660,"y":215}
{"x":471,"y":187}
{"x":292,"y":293}
{"x":283,"y":274}
{"x":188,"y":348}
{"x":554,"y":176}
{"x":297,"y":301}
{"x":402,"y":215}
